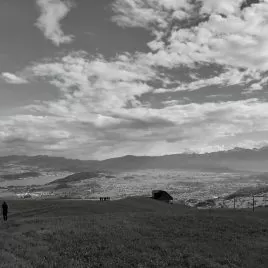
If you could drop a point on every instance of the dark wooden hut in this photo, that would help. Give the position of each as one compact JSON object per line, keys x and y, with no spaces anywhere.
{"x":162,"y":196}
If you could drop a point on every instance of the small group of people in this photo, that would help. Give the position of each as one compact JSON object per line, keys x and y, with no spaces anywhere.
{"x":4,"y":210}
{"x":104,"y":198}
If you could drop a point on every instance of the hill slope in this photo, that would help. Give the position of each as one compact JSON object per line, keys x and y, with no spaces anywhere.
{"x":77,"y":177}
{"x":131,"y":233}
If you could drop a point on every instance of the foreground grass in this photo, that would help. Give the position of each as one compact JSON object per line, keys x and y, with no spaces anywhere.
{"x":135,"y":232}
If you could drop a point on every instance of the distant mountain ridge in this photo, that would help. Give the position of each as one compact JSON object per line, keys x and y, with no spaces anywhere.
{"x":222,"y":161}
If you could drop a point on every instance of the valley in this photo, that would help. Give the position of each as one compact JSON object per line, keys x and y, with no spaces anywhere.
{"x":182,"y":185}
{"x":200,"y":178}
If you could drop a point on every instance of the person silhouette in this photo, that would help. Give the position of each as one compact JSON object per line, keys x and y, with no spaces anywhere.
{"x":4,"y":210}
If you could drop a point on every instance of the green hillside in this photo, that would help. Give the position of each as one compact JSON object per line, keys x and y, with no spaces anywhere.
{"x":135,"y":232}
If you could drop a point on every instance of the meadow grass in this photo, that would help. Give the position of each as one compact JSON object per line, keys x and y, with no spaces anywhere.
{"x":135,"y":232}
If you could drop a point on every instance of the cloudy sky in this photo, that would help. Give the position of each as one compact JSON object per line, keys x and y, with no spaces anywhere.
{"x":94,"y":79}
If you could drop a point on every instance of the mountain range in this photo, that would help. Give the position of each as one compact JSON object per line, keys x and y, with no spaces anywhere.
{"x":238,"y":159}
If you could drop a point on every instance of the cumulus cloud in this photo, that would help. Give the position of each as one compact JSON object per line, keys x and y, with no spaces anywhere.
{"x":226,"y":7}
{"x":230,"y":33}
{"x":13,"y":79}
{"x":52,"y":12}
{"x":102,"y":84}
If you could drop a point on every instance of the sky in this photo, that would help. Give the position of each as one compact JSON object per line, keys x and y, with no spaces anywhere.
{"x":95,"y":79}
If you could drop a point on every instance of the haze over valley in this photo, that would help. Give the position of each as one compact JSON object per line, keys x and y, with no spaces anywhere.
{"x":189,"y":178}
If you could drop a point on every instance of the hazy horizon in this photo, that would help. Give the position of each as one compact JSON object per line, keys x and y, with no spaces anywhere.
{"x":129,"y":155}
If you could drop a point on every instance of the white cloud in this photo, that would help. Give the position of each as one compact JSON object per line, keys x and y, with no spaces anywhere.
{"x":102,"y":84}
{"x":13,"y":79}
{"x":226,"y":7}
{"x":219,"y":32}
{"x":142,"y":131}
{"x":150,"y":13}
{"x":52,"y":12}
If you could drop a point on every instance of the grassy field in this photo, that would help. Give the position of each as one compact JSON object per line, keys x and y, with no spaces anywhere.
{"x":135,"y":232}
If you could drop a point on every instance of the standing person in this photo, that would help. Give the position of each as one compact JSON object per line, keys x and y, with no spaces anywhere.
{"x":5,"y":210}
